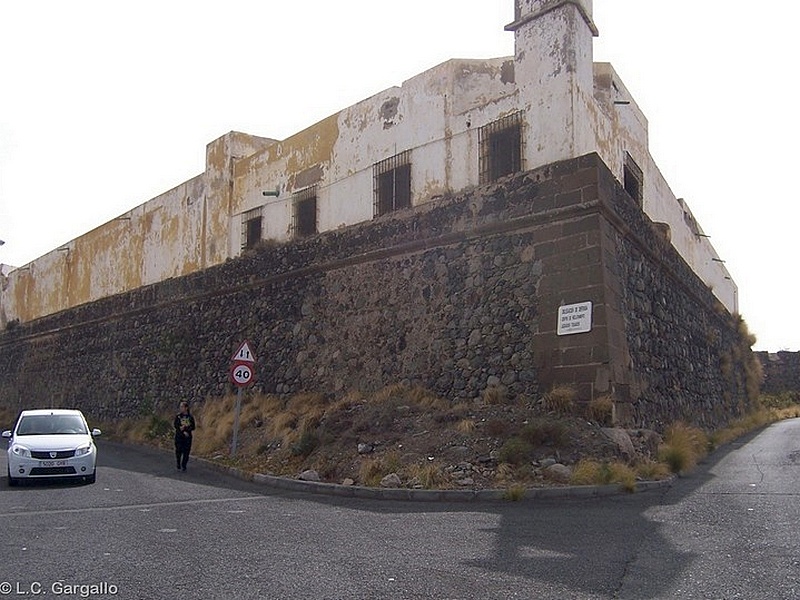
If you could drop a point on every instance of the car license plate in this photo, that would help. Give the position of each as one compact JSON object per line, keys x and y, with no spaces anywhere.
{"x":54,"y":463}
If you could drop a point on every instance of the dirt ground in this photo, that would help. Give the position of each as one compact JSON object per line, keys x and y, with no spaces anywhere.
{"x":416,"y":439}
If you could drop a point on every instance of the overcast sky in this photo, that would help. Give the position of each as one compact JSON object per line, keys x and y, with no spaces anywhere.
{"x":104,"y":105}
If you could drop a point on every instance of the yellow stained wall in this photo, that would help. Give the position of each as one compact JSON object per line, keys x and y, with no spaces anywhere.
{"x":436,"y":115}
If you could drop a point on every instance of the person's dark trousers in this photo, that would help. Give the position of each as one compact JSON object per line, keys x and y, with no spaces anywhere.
{"x":183,"y":446}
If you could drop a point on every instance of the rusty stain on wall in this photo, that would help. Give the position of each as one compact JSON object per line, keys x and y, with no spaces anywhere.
{"x":308,"y":177}
{"x":435,"y":115}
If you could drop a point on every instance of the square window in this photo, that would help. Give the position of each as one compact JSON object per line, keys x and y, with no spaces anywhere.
{"x":305,"y":212}
{"x":251,"y":228}
{"x":633,"y":179}
{"x":392,"y":184}
{"x":501,"y":145}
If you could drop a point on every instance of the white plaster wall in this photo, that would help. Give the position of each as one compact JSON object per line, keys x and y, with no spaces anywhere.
{"x":569,"y":107}
{"x":553,"y":55}
{"x":416,"y":116}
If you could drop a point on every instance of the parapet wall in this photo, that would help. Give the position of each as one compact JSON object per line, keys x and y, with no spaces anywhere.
{"x":458,"y":295}
{"x":781,"y":371}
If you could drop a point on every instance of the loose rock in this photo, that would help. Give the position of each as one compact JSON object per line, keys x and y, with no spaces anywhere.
{"x":392,"y":480}
{"x":309,"y":475}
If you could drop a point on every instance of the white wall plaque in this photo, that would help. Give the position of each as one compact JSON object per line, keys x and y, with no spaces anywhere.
{"x":575,"y":318}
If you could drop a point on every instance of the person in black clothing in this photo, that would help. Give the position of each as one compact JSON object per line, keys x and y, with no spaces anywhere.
{"x":184,"y":425}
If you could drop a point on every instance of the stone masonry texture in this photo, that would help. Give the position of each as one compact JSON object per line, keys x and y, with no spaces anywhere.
{"x":458,"y":295}
{"x":781,"y":371}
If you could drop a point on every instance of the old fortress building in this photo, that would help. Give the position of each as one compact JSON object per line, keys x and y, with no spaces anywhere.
{"x":460,"y":124}
{"x":488,"y":226}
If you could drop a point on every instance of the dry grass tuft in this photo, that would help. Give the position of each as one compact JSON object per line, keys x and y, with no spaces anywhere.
{"x":790,"y":412}
{"x":429,"y":475}
{"x":515,"y":493}
{"x":515,"y":451}
{"x":546,"y":432}
{"x":586,"y":472}
{"x":653,"y":471}
{"x":560,"y":399}
{"x":601,"y":410}
{"x":496,"y":427}
{"x":683,"y":447}
{"x":505,"y":472}
{"x":373,"y":469}
{"x":465,"y":426}
{"x":592,"y":472}
{"x":495,"y":395}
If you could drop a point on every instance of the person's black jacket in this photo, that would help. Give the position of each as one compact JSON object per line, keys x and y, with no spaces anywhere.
{"x":184,"y":426}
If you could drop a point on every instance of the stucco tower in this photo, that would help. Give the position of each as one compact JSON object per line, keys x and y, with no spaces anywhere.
{"x":553,"y":71}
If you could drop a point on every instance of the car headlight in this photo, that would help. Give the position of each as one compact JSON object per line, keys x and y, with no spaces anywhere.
{"x":83,"y":450}
{"x":21,"y":451}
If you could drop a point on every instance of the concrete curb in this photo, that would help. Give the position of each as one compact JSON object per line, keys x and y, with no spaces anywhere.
{"x":414,"y":495}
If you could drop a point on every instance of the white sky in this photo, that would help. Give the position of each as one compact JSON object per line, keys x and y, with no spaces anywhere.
{"x":104,"y":105}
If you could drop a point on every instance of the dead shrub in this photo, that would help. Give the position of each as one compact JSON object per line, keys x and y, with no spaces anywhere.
{"x":560,"y":399}
{"x":593,"y":472}
{"x":601,"y":410}
{"x":515,"y":493}
{"x":371,"y":471}
{"x":546,"y":432}
{"x":429,"y":475}
{"x":653,"y":471}
{"x":496,"y":427}
{"x":465,"y":426}
{"x":495,"y":395}
{"x":683,"y":447}
{"x":515,"y":451}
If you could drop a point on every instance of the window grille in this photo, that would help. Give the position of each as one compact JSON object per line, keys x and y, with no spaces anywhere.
{"x":633,"y":179}
{"x":392,"y":183}
{"x":304,"y":212}
{"x":251,"y":227}
{"x":501,"y":147}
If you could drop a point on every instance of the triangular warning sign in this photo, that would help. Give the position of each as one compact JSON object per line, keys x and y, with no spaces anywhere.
{"x":244,"y":354}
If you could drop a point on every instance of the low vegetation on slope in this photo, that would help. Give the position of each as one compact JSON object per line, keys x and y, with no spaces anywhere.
{"x":408,"y":437}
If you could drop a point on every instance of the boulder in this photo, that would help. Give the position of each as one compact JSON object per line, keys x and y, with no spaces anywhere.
{"x":558,"y":472}
{"x":622,"y":440}
{"x":392,"y":480}
{"x":308,"y":475}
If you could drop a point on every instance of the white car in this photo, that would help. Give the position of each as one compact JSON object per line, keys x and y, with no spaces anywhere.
{"x":53,"y":443}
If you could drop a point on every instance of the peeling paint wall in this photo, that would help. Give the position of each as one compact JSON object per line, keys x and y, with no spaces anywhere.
{"x":620,"y":127}
{"x":570,"y":106}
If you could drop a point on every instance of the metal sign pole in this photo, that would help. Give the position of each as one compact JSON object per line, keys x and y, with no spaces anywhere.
{"x":241,"y":374}
{"x":236,"y":412}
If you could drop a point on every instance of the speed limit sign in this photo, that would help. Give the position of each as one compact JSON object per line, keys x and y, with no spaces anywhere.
{"x":241,"y":373}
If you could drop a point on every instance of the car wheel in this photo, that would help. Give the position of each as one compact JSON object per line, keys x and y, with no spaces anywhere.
{"x":12,"y":482}
{"x":92,"y":478}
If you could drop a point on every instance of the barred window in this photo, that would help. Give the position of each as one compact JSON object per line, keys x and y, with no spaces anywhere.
{"x":392,"y":183}
{"x":304,"y":212}
{"x":500,"y":145}
{"x":633,"y":179}
{"x":251,"y":228}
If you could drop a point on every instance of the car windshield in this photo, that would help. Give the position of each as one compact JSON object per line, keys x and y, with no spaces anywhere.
{"x":51,"y":425}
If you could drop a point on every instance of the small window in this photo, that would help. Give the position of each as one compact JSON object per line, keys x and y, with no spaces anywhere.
{"x":392,"y":183}
{"x":633,"y":180}
{"x":304,"y":217}
{"x":251,"y":228}
{"x":500,"y":147}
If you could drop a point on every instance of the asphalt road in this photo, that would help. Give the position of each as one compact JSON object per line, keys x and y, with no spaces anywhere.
{"x":144,"y":530}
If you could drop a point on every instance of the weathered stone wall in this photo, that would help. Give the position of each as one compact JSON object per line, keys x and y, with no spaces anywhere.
{"x":781,"y":371}
{"x":684,"y":353}
{"x":455,"y":296}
